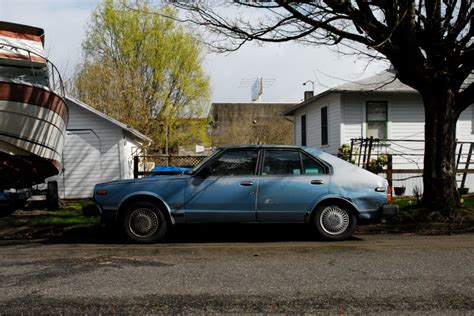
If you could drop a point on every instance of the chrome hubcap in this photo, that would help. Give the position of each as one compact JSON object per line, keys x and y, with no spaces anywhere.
{"x":334,"y":220}
{"x":143,"y":222}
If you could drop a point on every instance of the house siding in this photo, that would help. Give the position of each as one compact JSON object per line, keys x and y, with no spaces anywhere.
{"x":313,"y":123}
{"x":130,"y":149}
{"x":406,"y":121}
{"x":297,"y":129}
{"x":109,"y":136}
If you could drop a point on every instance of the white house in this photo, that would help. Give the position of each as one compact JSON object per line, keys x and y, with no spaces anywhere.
{"x":97,"y":148}
{"x":379,"y":106}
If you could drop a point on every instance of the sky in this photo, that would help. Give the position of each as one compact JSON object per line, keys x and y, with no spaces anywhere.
{"x":286,"y":65}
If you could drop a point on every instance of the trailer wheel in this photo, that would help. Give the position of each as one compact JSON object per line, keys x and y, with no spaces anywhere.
{"x":52,"y":196}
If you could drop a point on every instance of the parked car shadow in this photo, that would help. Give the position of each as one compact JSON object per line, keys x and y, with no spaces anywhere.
{"x":228,"y":233}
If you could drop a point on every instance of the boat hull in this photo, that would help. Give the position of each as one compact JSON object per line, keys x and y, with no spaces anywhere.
{"x":33,"y":121}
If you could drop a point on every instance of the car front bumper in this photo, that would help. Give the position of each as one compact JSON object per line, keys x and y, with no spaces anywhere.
{"x":91,"y":210}
{"x":106,"y":216}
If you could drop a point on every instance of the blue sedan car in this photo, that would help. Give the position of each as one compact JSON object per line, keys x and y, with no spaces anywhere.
{"x":249,"y":184}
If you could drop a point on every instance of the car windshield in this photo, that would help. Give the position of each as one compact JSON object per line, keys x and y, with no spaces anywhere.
{"x":202,"y":163}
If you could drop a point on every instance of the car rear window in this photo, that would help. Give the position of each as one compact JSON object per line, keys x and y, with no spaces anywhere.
{"x":310,"y":166}
{"x":281,"y":162}
{"x":289,"y":162}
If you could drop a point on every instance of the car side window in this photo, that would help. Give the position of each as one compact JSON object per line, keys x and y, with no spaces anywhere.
{"x":311,"y":166}
{"x":235,"y":163}
{"x":281,"y":162}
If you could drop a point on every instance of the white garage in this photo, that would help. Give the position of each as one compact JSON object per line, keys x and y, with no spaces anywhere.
{"x":97,"y":149}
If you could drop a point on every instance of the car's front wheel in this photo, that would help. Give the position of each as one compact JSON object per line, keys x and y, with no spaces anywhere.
{"x":334,"y":222}
{"x":144,"y":222}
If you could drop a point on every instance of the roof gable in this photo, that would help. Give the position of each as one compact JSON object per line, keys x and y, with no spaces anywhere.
{"x":136,"y":134}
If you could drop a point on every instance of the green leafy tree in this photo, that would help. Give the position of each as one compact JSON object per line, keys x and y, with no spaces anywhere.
{"x":144,"y":70}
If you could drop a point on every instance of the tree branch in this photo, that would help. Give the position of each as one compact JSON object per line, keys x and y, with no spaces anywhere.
{"x":324,"y":24}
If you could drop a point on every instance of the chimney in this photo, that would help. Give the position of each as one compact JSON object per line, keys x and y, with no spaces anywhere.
{"x":308,"y":95}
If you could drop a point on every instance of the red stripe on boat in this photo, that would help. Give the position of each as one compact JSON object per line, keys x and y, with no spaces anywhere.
{"x":35,"y":96}
{"x":21,"y":36}
{"x":22,"y":56}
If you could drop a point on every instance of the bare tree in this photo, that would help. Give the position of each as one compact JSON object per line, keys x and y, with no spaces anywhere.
{"x":429,"y":43}
{"x":272,"y":131}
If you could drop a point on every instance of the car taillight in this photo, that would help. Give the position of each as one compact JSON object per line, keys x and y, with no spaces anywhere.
{"x":389,"y":195}
{"x":101,"y":192}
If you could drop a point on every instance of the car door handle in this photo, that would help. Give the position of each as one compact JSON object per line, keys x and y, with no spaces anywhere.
{"x":316,"y":182}
{"x":246,"y":183}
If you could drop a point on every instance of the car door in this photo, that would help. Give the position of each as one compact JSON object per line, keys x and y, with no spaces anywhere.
{"x":289,"y":183}
{"x":224,"y":189}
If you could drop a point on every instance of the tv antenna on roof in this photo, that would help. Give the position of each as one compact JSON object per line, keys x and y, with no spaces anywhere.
{"x":256,"y":86}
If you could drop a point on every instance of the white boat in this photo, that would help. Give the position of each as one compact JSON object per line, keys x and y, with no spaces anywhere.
{"x":33,"y":111}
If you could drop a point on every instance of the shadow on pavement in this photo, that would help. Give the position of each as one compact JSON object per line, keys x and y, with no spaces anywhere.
{"x":249,"y":233}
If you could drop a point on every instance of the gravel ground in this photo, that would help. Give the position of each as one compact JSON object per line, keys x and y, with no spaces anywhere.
{"x":388,"y":274}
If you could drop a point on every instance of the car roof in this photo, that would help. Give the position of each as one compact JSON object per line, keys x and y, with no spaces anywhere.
{"x":262,"y":146}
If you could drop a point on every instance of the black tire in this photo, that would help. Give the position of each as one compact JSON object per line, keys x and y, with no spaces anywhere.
{"x":334,"y":222}
{"x":145,"y":223}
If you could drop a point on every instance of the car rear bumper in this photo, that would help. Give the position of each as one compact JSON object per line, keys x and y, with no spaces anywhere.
{"x":388,"y":210}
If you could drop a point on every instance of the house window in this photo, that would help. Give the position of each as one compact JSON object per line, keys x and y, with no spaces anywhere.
{"x":303,"y":130}
{"x":324,"y":126}
{"x":377,"y":119}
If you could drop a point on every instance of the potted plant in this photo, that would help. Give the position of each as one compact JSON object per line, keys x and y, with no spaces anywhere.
{"x":399,"y":191}
{"x":377,"y":165}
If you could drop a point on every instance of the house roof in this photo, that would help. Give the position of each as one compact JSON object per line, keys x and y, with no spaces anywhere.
{"x":136,"y":134}
{"x":381,"y":82}
{"x":384,"y":82}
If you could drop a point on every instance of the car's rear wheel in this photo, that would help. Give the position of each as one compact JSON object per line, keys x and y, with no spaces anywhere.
{"x":144,"y":222}
{"x":334,"y":222}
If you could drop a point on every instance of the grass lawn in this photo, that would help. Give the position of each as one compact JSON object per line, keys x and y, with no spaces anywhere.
{"x":69,"y":215}
{"x":403,"y":202}
{"x":409,"y":210}
{"x":467,"y":201}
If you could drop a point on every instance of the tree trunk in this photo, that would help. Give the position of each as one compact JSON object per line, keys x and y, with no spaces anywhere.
{"x":439,"y":174}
